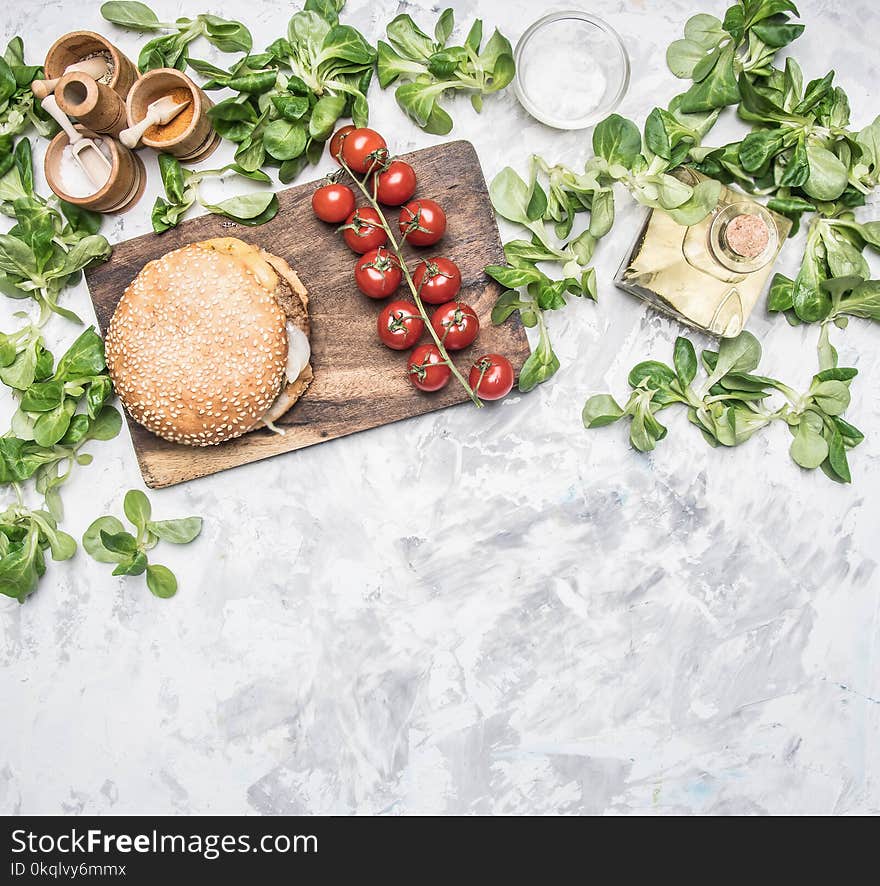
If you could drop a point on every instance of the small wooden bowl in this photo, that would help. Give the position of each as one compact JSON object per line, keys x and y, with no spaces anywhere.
{"x":128,"y":177}
{"x":199,"y":139}
{"x":77,"y":45}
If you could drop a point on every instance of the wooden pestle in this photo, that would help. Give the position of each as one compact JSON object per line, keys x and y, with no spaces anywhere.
{"x":94,"y":104}
{"x":160,"y":112}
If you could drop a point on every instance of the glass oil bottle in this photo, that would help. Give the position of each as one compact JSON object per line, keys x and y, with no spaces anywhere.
{"x":709,"y":275}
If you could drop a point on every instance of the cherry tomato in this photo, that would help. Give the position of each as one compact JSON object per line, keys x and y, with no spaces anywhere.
{"x":399,"y":325}
{"x":338,"y":139}
{"x":491,"y":377}
{"x":456,"y":324}
{"x":396,"y":184}
{"x":364,"y":150}
{"x":422,"y":222}
{"x":333,"y":203}
{"x":427,"y":369}
{"x":378,"y":273}
{"x":438,"y":280}
{"x":363,"y":230}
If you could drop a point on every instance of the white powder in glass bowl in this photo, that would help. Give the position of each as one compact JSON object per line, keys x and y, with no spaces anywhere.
{"x":572,"y":70}
{"x":559,"y":77}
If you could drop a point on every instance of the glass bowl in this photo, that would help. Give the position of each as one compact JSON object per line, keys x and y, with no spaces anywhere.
{"x":572,"y":70}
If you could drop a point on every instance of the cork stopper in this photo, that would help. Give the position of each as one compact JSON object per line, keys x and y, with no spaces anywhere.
{"x":747,"y":235}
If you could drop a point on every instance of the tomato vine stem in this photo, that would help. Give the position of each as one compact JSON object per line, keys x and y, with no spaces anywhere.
{"x":392,"y":240}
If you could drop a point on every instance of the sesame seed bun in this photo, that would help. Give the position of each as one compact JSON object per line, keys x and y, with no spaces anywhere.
{"x":198,"y":345}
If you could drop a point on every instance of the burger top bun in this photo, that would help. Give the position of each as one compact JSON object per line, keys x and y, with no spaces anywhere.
{"x":197,"y":347}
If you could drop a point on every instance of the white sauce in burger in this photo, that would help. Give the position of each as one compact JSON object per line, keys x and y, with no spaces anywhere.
{"x":298,"y":352}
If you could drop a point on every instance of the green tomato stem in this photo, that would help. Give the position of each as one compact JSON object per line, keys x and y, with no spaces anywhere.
{"x":411,"y":283}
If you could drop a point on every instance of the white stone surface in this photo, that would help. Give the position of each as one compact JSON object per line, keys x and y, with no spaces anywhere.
{"x":491,"y":612}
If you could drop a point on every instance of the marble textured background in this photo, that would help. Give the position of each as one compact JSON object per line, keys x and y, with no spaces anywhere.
{"x":478,"y":613}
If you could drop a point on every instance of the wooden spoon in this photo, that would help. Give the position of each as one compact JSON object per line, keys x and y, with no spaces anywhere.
{"x":94,"y":67}
{"x":159,"y":112}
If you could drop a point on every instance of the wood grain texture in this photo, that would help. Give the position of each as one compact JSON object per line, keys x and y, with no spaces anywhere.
{"x":359,"y":383}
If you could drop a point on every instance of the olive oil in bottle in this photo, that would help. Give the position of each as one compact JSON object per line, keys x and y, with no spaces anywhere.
{"x":709,"y":275}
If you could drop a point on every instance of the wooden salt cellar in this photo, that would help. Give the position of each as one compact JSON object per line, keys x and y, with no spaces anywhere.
{"x":199,"y":139}
{"x":123,"y":188}
{"x":95,"y":105}
{"x":78,"y":45}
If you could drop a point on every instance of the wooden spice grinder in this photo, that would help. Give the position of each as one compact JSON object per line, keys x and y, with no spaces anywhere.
{"x":78,"y":45}
{"x":121,"y":191}
{"x":94,"y":104}
{"x":190,"y":136}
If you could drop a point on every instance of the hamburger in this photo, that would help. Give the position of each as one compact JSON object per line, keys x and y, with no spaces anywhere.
{"x":211,"y":341}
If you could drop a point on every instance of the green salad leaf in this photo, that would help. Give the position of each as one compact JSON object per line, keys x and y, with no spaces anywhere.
{"x":50,"y":243}
{"x":730,"y":404}
{"x":171,"y":50}
{"x":26,"y":537}
{"x":19,"y":110}
{"x":427,"y":68}
{"x":182,"y":193}
{"x":714,"y":53}
{"x":290,"y":97}
{"x":107,"y":541}
{"x":61,"y":407}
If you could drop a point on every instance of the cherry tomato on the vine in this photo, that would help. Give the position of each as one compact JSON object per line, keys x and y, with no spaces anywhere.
{"x":395,"y":184}
{"x":399,"y":325}
{"x":427,"y":369}
{"x":364,"y":150}
{"x":378,"y":273}
{"x":438,"y":280}
{"x":363,"y":230}
{"x":338,"y":139}
{"x":422,"y":222}
{"x":333,"y":202}
{"x":456,"y":325}
{"x":491,"y":377}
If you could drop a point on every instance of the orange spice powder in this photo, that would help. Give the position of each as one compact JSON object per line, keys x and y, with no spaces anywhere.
{"x":180,"y":123}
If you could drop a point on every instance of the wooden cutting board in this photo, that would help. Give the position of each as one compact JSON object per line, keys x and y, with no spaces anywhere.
{"x":359,"y":383}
